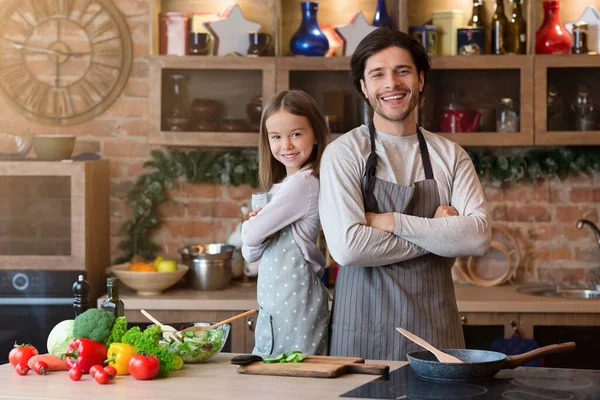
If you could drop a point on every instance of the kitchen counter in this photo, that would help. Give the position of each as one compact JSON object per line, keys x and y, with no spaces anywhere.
{"x":500,"y":299}
{"x":215,"y":380}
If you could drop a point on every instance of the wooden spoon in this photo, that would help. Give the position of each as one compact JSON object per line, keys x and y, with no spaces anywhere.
{"x":168,"y":330}
{"x":441,"y":356}
{"x":208,"y":327}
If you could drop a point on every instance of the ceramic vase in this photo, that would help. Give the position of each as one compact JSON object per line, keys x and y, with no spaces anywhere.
{"x":309,"y":40}
{"x":382,"y":18}
{"x":552,"y":37}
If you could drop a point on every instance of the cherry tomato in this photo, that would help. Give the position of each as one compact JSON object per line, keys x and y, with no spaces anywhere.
{"x":111,"y":371}
{"x":21,"y":353}
{"x":75,"y":374}
{"x":41,"y":368}
{"x":101,"y":377}
{"x":143,"y":367}
{"x":22,"y":369}
{"x":95,"y":369}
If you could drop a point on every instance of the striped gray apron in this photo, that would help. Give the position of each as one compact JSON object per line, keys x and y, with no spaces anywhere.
{"x":417,"y":295}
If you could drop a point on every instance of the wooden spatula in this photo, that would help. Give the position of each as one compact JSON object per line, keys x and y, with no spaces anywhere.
{"x":441,"y":356}
{"x":167,"y":330}
{"x":208,"y":327}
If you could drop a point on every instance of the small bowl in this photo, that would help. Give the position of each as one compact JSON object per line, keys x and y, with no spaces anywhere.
{"x":148,"y":283}
{"x":53,"y":147}
{"x":209,"y":342}
{"x":14,"y":147}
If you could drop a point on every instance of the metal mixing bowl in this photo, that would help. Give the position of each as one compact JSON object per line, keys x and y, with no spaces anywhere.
{"x":210,"y":265}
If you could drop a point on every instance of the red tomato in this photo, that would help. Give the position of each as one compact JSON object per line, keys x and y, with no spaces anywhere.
{"x":101,"y":377}
{"x":111,"y":371}
{"x":41,"y":368}
{"x":22,"y":369}
{"x":143,"y":367}
{"x":21,"y":354}
{"x":75,"y":374}
{"x":95,"y":369}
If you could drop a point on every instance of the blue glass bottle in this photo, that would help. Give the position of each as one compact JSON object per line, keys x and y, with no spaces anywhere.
{"x":382,"y":18}
{"x":309,"y":40}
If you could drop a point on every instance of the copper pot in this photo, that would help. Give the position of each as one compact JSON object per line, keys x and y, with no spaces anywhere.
{"x":233,"y":125}
{"x":204,"y":109}
{"x":254,"y":109}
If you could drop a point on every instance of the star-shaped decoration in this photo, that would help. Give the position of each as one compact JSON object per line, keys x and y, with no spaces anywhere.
{"x":335,"y":41}
{"x":232,"y":32}
{"x":354,"y":32}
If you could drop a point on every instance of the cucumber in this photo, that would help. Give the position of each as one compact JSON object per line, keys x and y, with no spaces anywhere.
{"x":270,"y":360}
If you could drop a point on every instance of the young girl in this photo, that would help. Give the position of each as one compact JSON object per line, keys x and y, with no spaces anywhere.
{"x":293,"y":302}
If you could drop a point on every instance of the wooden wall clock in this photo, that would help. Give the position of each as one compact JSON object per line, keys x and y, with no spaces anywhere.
{"x":63,"y":62}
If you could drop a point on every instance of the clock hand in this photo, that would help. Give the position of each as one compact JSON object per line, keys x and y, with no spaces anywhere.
{"x":47,"y":51}
{"x":36,"y":49}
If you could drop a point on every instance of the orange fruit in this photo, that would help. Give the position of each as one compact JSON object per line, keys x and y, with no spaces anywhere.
{"x":141,"y":267}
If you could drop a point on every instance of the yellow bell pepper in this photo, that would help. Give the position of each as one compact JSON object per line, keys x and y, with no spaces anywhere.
{"x":119,"y":355}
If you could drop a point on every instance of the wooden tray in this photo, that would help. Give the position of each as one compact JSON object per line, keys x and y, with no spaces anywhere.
{"x":316,"y":367}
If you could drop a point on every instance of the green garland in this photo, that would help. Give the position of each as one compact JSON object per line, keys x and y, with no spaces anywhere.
{"x":535,"y":164}
{"x":237,"y":167}
{"x":225,"y":167}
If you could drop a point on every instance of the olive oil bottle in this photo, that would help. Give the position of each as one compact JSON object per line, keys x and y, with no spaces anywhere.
{"x":476,"y":20}
{"x":112,"y":303}
{"x":499,"y":29}
{"x":516,"y":42}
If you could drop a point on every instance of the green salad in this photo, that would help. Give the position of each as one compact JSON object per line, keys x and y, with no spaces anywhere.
{"x":197,"y":346}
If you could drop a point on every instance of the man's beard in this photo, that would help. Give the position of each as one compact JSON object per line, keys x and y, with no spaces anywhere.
{"x":376,"y":105}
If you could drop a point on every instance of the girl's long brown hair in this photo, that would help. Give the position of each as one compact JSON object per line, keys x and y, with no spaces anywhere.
{"x":297,"y":102}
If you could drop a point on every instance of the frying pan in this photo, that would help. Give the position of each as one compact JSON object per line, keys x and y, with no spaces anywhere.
{"x":478,"y":364}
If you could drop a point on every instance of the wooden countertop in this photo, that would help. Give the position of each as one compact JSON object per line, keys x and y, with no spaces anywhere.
{"x":500,"y":299}
{"x":215,"y":380}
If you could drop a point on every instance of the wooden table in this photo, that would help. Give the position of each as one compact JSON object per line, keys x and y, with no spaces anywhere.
{"x":215,"y":380}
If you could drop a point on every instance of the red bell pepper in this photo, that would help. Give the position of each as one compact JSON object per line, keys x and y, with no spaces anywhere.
{"x":83,"y":354}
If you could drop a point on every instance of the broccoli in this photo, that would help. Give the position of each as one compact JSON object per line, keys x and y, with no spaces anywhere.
{"x":94,"y":324}
{"x":118,"y":330}
{"x":147,"y":343}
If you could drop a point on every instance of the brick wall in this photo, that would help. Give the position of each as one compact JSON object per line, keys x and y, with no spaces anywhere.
{"x":541,"y":216}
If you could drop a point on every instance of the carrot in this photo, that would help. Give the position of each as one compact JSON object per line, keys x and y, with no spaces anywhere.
{"x":54,"y":362}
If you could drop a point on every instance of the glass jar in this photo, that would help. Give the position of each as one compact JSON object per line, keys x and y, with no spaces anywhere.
{"x":507,"y":116}
{"x":555,"y":110}
{"x":584,"y":113}
{"x":580,"y":34}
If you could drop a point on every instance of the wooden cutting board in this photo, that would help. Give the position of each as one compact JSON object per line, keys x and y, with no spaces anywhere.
{"x":316,"y":367}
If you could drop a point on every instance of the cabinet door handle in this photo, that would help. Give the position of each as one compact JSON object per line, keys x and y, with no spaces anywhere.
{"x":463,"y":320}
{"x":250,"y":323}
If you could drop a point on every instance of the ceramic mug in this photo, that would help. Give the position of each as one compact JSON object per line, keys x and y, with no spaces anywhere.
{"x":199,"y":43}
{"x":260,"y":44}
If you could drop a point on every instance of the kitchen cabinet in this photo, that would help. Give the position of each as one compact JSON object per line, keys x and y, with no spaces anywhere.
{"x":241,"y":333}
{"x":482,"y":329}
{"x":583,"y":329}
{"x":234,"y":80}
{"x":561,"y":76}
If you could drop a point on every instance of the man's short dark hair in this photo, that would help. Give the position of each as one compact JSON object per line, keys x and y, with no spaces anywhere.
{"x":379,"y":40}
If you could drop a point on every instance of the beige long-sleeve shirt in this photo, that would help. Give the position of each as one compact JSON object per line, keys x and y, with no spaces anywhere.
{"x":295,"y":203}
{"x":353,"y":243}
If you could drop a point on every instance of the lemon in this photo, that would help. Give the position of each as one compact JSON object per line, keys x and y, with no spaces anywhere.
{"x":157,"y":260}
{"x":177,"y":362}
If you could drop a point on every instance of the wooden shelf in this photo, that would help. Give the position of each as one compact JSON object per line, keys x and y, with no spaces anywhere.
{"x":508,"y":61}
{"x":542,"y":64}
{"x":490,"y":139}
{"x":568,"y":138}
{"x":206,"y":139}
{"x":212,"y":62}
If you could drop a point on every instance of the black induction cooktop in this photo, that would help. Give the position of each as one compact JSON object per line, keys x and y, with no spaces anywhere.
{"x":523,"y":383}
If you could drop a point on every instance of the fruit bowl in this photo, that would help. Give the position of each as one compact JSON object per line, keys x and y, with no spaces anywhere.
{"x":148,"y":283}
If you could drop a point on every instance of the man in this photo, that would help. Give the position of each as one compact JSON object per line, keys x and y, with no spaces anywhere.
{"x":397,"y":205}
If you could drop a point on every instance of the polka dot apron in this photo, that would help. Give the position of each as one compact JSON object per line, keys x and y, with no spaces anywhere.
{"x":293,"y":302}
